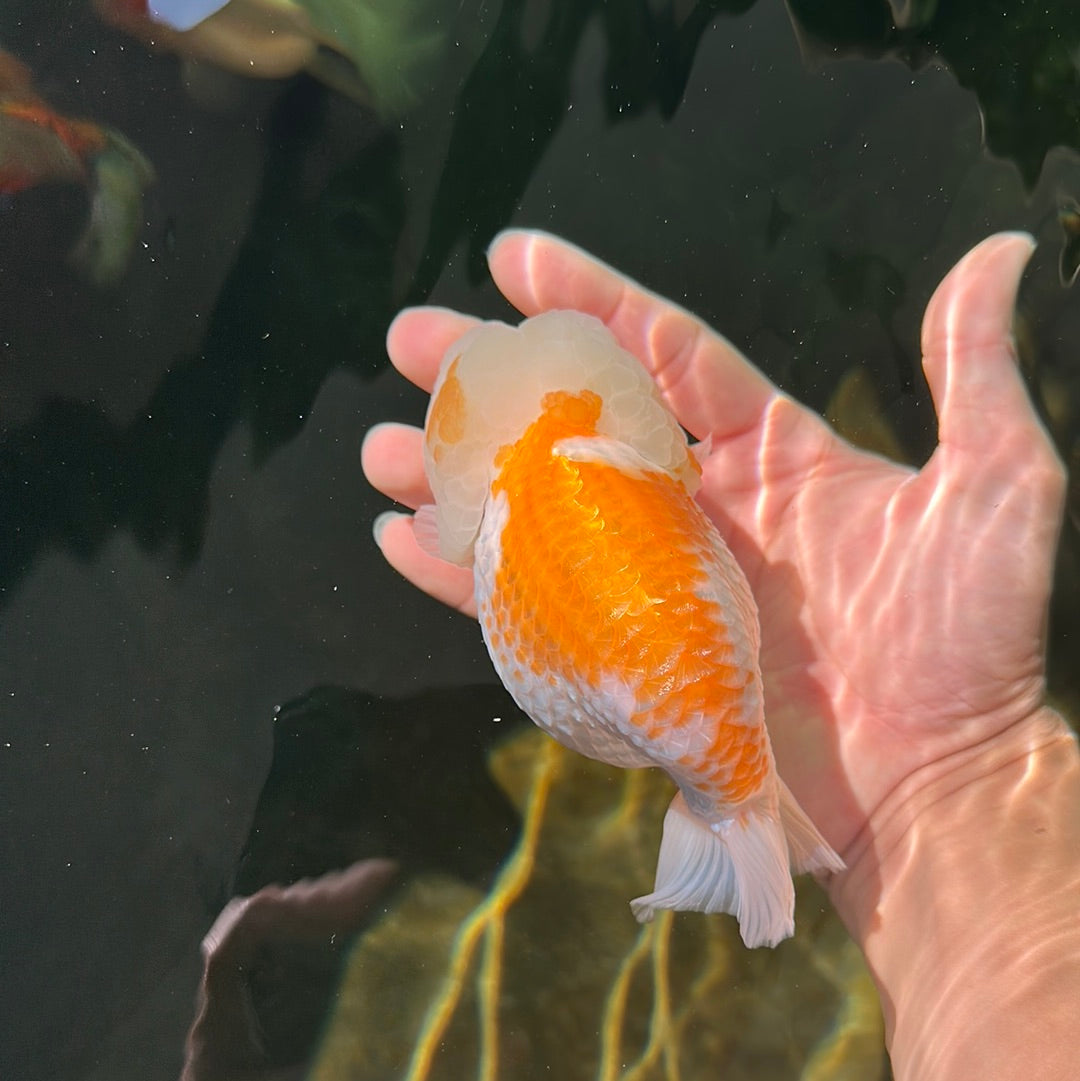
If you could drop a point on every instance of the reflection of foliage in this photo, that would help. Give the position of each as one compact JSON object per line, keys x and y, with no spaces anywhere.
{"x":312,"y":285}
{"x":547,"y":972}
{"x":1069,"y":261}
{"x":393,"y":45}
{"x":310,"y":292}
{"x":1019,"y":59}
{"x":515,"y":99}
{"x":274,"y":929}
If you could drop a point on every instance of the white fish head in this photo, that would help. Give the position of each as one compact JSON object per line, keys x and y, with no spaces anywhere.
{"x":491,"y":387}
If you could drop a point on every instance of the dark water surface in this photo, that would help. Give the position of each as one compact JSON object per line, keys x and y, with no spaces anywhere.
{"x":184,"y":531}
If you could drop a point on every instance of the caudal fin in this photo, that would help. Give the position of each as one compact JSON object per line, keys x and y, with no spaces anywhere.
{"x":739,"y":866}
{"x":809,"y":850}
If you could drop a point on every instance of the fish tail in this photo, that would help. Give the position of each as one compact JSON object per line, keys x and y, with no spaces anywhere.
{"x":809,"y":850}
{"x":738,"y":865}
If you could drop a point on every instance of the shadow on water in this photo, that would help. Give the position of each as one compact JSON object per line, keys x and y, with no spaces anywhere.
{"x":357,"y":779}
{"x":515,"y":99}
{"x":339,"y":786}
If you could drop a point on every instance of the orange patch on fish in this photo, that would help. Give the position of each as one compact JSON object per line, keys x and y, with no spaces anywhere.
{"x":447,"y":418}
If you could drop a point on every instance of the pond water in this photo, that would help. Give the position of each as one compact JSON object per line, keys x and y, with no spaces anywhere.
{"x":209,"y":678}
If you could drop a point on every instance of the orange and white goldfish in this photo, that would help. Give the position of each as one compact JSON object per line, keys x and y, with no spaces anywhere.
{"x":613,"y":610}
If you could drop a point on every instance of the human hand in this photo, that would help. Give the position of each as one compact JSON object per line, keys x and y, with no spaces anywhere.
{"x":902,"y":611}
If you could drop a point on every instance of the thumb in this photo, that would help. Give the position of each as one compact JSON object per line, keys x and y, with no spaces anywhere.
{"x":994,"y":461}
{"x":969,"y":354}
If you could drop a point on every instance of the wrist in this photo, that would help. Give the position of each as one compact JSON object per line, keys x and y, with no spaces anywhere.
{"x":964,"y":892}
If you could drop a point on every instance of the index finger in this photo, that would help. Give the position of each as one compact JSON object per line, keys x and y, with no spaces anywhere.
{"x":711,"y":387}
{"x":418,"y":339}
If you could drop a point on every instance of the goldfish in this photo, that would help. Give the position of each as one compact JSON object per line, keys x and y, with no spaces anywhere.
{"x":39,"y":145}
{"x":613,"y":610}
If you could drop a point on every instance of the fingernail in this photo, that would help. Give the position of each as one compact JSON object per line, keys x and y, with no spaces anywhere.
{"x":499,"y":237}
{"x":378,"y":527}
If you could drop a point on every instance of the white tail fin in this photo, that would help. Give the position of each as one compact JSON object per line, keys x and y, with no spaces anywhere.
{"x":809,"y":850}
{"x":739,"y":866}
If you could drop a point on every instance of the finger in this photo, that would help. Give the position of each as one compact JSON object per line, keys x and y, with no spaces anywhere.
{"x":419,"y":338}
{"x":969,"y":355}
{"x":997,"y":476}
{"x":709,"y":385}
{"x":445,"y":582}
{"x":392,"y":459}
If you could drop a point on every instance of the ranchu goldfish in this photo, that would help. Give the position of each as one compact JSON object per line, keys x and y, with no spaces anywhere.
{"x":613,"y":610}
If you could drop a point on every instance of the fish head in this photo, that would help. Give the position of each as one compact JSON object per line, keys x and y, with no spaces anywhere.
{"x":496,"y":380}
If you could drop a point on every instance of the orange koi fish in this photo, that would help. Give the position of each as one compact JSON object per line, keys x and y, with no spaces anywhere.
{"x":613,"y":610}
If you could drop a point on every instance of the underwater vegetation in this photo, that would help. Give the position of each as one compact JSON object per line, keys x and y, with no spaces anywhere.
{"x":548,"y":971}
{"x":1028,"y":92}
{"x":372,"y":51}
{"x":531,"y":966}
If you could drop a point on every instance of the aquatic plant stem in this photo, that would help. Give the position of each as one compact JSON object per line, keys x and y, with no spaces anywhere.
{"x":487,"y":921}
{"x":615,"y":1006}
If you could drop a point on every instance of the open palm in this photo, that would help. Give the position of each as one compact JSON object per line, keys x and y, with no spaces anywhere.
{"x":902,"y":612}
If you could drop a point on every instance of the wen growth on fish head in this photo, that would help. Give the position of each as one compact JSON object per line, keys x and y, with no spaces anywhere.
{"x":497,"y":380}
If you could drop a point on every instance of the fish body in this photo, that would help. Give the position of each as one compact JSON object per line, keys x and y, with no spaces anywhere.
{"x":613,"y":610}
